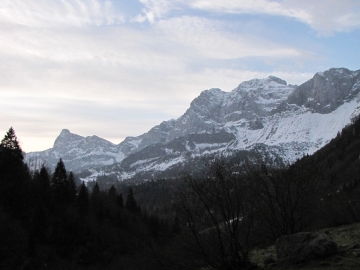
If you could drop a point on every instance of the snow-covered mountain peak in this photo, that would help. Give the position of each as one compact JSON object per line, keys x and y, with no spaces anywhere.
{"x":260,"y":84}
{"x":277,"y":79}
{"x":213,"y":95}
{"x":266,"y":116}
{"x":64,"y":132}
{"x":66,"y":137}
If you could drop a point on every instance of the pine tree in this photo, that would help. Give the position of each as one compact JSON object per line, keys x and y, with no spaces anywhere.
{"x":71,"y":187}
{"x":14,"y":176}
{"x":96,"y":190}
{"x":131,"y":204}
{"x":95,"y":202}
{"x":11,"y":155}
{"x":120,"y":200}
{"x":83,"y":200}
{"x":59,"y":183}
{"x":44,"y":180}
{"x":112,"y":192}
{"x":41,"y":190}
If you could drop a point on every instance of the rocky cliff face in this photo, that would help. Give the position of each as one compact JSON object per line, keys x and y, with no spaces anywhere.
{"x":263,"y":116}
{"x":328,"y":90}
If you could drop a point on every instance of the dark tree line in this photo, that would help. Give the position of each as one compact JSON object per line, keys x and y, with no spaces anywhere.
{"x":212,"y":219}
{"x":47,"y":222}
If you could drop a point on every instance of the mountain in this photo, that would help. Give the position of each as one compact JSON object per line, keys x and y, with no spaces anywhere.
{"x":77,"y":152}
{"x":264,"y":117}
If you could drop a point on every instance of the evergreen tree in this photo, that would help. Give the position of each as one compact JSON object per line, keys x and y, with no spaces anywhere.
{"x":14,"y":175}
{"x":71,"y":187}
{"x":120,"y":200}
{"x":42,"y":183}
{"x":112,"y":192}
{"x":41,"y":205}
{"x":96,"y":190}
{"x":83,"y":200}
{"x":11,"y":155}
{"x":59,"y":183}
{"x":96,"y":202}
{"x":131,"y":204}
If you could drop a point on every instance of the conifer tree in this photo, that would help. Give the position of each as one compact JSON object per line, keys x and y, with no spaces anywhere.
{"x":41,"y":191}
{"x":120,"y":200}
{"x":11,"y":155}
{"x":70,"y":181}
{"x":59,"y":182}
{"x":14,"y":175}
{"x":112,"y":192}
{"x":95,"y":202}
{"x":131,"y":204}
{"x":83,"y":200}
{"x":44,"y":179}
{"x":96,"y":190}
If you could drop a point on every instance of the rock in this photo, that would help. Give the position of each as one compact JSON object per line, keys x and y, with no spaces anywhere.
{"x":303,"y":247}
{"x":356,"y":246}
{"x":269,"y":260}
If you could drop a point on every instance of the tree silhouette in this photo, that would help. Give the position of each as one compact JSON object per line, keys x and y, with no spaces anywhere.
{"x":14,"y":175}
{"x":70,"y":181}
{"x":59,"y":183}
{"x":83,"y":200}
{"x":131,"y":204}
{"x":11,"y":155}
{"x":120,"y":200}
{"x":112,"y":192}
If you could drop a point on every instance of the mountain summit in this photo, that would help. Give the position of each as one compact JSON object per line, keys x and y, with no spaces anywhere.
{"x":264,"y":117}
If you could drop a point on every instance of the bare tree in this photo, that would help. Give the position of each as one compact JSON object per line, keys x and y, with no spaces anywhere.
{"x":286,"y":199}
{"x":217,"y":211}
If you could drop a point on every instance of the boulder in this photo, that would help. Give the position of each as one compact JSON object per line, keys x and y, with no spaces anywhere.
{"x":303,"y":247}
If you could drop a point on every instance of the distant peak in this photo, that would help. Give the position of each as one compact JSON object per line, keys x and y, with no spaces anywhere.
{"x":278,"y":80}
{"x":260,"y":83}
{"x":65,"y":132}
{"x":66,"y":136}
{"x":334,"y":72}
{"x":211,"y":91}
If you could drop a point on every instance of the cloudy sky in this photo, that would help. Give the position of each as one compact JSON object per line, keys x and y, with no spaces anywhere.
{"x":116,"y":68}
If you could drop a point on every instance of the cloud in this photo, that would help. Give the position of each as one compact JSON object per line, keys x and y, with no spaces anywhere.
{"x":327,"y":17}
{"x":208,"y":38}
{"x":86,"y":66}
{"x":50,"y":13}
{"x":156,"y":9}
{"x":324,"y":16}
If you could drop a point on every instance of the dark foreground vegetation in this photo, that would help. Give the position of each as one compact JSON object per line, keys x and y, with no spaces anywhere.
{"x":213,"y":220}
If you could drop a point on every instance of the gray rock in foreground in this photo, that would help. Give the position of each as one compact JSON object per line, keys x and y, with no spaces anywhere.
{"x":303,"y":247}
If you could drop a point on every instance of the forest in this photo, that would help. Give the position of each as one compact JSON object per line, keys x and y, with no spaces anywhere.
{"x":210,"y":220}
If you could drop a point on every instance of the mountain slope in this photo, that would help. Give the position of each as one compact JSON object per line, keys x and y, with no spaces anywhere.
{"x":265,"y":116}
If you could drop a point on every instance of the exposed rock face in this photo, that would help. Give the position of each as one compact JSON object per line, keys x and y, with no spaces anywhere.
{"x":303,"y":247}
{"x":260,"y":116}
{"x":326,"y":91}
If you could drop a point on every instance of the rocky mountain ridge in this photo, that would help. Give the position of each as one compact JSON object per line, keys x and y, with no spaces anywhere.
{"x":263,"y":116}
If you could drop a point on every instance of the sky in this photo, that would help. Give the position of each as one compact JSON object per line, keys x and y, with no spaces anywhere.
{"x":116,"y":68}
